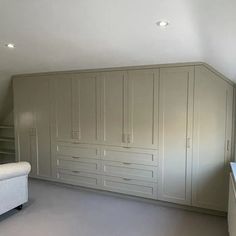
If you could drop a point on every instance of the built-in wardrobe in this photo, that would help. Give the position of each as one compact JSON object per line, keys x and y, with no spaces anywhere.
{"x":159,"y":132}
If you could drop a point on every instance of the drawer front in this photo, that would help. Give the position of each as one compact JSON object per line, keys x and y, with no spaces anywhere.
{"x":79,"y":178}
{"x":129,"y":170}
{"x":130,"y":155}
{"x":83,"y":151}
{"x":130,"y":186}
{"x":78,"y":163}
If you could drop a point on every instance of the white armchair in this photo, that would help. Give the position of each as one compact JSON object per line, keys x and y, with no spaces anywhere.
{"x":13,"y":185}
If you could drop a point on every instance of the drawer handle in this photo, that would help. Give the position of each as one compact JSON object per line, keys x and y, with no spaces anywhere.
{"x":75,"y":157}
{"x":126,"y":163}
{"x":126,"y":179}
{"x":75,"y":171}
{"x":126,"y":147}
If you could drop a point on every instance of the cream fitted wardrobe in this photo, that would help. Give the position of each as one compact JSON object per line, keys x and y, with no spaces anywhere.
{"x":160,"y":132}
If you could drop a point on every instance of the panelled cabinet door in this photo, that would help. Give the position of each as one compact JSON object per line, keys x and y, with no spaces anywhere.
{"x":143,"y":108}
{"x":212,"y":139}
{"x":41,"y":103}
{"x":114,"y":108}
{"x":61,"y":106}
{"x":175,"y":127}
{"x":86,"y":106}
{"x":32,"y":122}
{"x":25,"y":122}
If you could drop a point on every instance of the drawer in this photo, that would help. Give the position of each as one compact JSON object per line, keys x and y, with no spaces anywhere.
{"x":78,"y":163}
{"x":130,"y":155}
{"x":130,"y":186}
{"x":79,"y":178}
{"x":78,"y":150}
{"x":129,"y":170}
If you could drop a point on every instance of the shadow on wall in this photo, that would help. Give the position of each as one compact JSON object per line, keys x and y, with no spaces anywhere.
{"x":6,"y":99}
{"x":215,"y":25}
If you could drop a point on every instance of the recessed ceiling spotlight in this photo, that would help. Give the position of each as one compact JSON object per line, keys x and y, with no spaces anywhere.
{"x":163,"y":23}
{"x":10,"y":45}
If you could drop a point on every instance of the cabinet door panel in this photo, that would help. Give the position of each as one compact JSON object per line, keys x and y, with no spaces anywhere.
{"x":212,"y":137}
{"x":142,"y":107}
{"x":176,"y":107}
{"x":24,"y":122}
{"x":42,"y":122}
{"x":61,"y":89}
{"x":114,"y":115}
{"x":86,"y":107}
{"x":31,"y":102}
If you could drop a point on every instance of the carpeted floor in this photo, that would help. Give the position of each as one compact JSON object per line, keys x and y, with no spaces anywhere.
{"x":62,"y":211}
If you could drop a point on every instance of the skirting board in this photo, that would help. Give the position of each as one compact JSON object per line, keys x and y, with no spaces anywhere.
{"x":159,"y":203}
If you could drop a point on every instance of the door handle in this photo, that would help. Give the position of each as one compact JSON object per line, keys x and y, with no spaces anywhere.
{"x":75,"y":134}
{"x":124,"y":138}
{"x":129,"y":138}
{"x":188,"y":142}
{"x":32,"y":131}
{"x":228,"y":145}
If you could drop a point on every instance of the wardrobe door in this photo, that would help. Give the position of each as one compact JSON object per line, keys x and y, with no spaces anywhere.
{"x":212,"y":139}
{"x":142,"y":108}
{"x":175,"y":134}
{"x":24,"y":118}
{"x":114,"y":108}
{"x":41,"y":102}
{"x":61,"y":106}
{"x":86,"y":106}
{"x":32,"y":121}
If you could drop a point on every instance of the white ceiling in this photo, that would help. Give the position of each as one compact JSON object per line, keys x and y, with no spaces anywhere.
{"x":77,"y":34}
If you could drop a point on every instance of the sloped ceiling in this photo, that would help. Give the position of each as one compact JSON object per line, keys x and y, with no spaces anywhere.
{"x":53,"y":35}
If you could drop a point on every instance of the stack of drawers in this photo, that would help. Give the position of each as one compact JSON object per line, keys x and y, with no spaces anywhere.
{"x":126,"y":170}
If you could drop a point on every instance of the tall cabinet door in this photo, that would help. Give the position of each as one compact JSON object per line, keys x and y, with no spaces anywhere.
{"x":212,"y":140}
{"x":143,"y":108}
{"x":86,"y":105}
{"x":62,"y":110}
{"x":114,"y":108}
{"x":24,"y":120}
{"x":32,"y":121}
{"x":41,"y":102}
{"x":175,"y":134}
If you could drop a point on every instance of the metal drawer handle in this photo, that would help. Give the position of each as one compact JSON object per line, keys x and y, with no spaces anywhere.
{"x":75,"y":171}
{"x":126,"y":147}
{"x":126,"y":179}
{"x":126,"y":163}
{"x":75,"y":157}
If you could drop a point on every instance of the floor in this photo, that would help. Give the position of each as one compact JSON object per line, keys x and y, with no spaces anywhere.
{"x":55,"y":210}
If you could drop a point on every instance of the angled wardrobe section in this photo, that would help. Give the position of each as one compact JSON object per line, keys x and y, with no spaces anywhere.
{"x":212,"y":136}
{"x":160,"y":132}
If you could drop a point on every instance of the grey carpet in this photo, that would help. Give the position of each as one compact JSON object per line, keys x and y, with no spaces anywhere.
{"x":55,"y":210}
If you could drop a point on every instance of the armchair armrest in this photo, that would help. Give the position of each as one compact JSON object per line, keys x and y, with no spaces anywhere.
{"x":12,"y":170}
